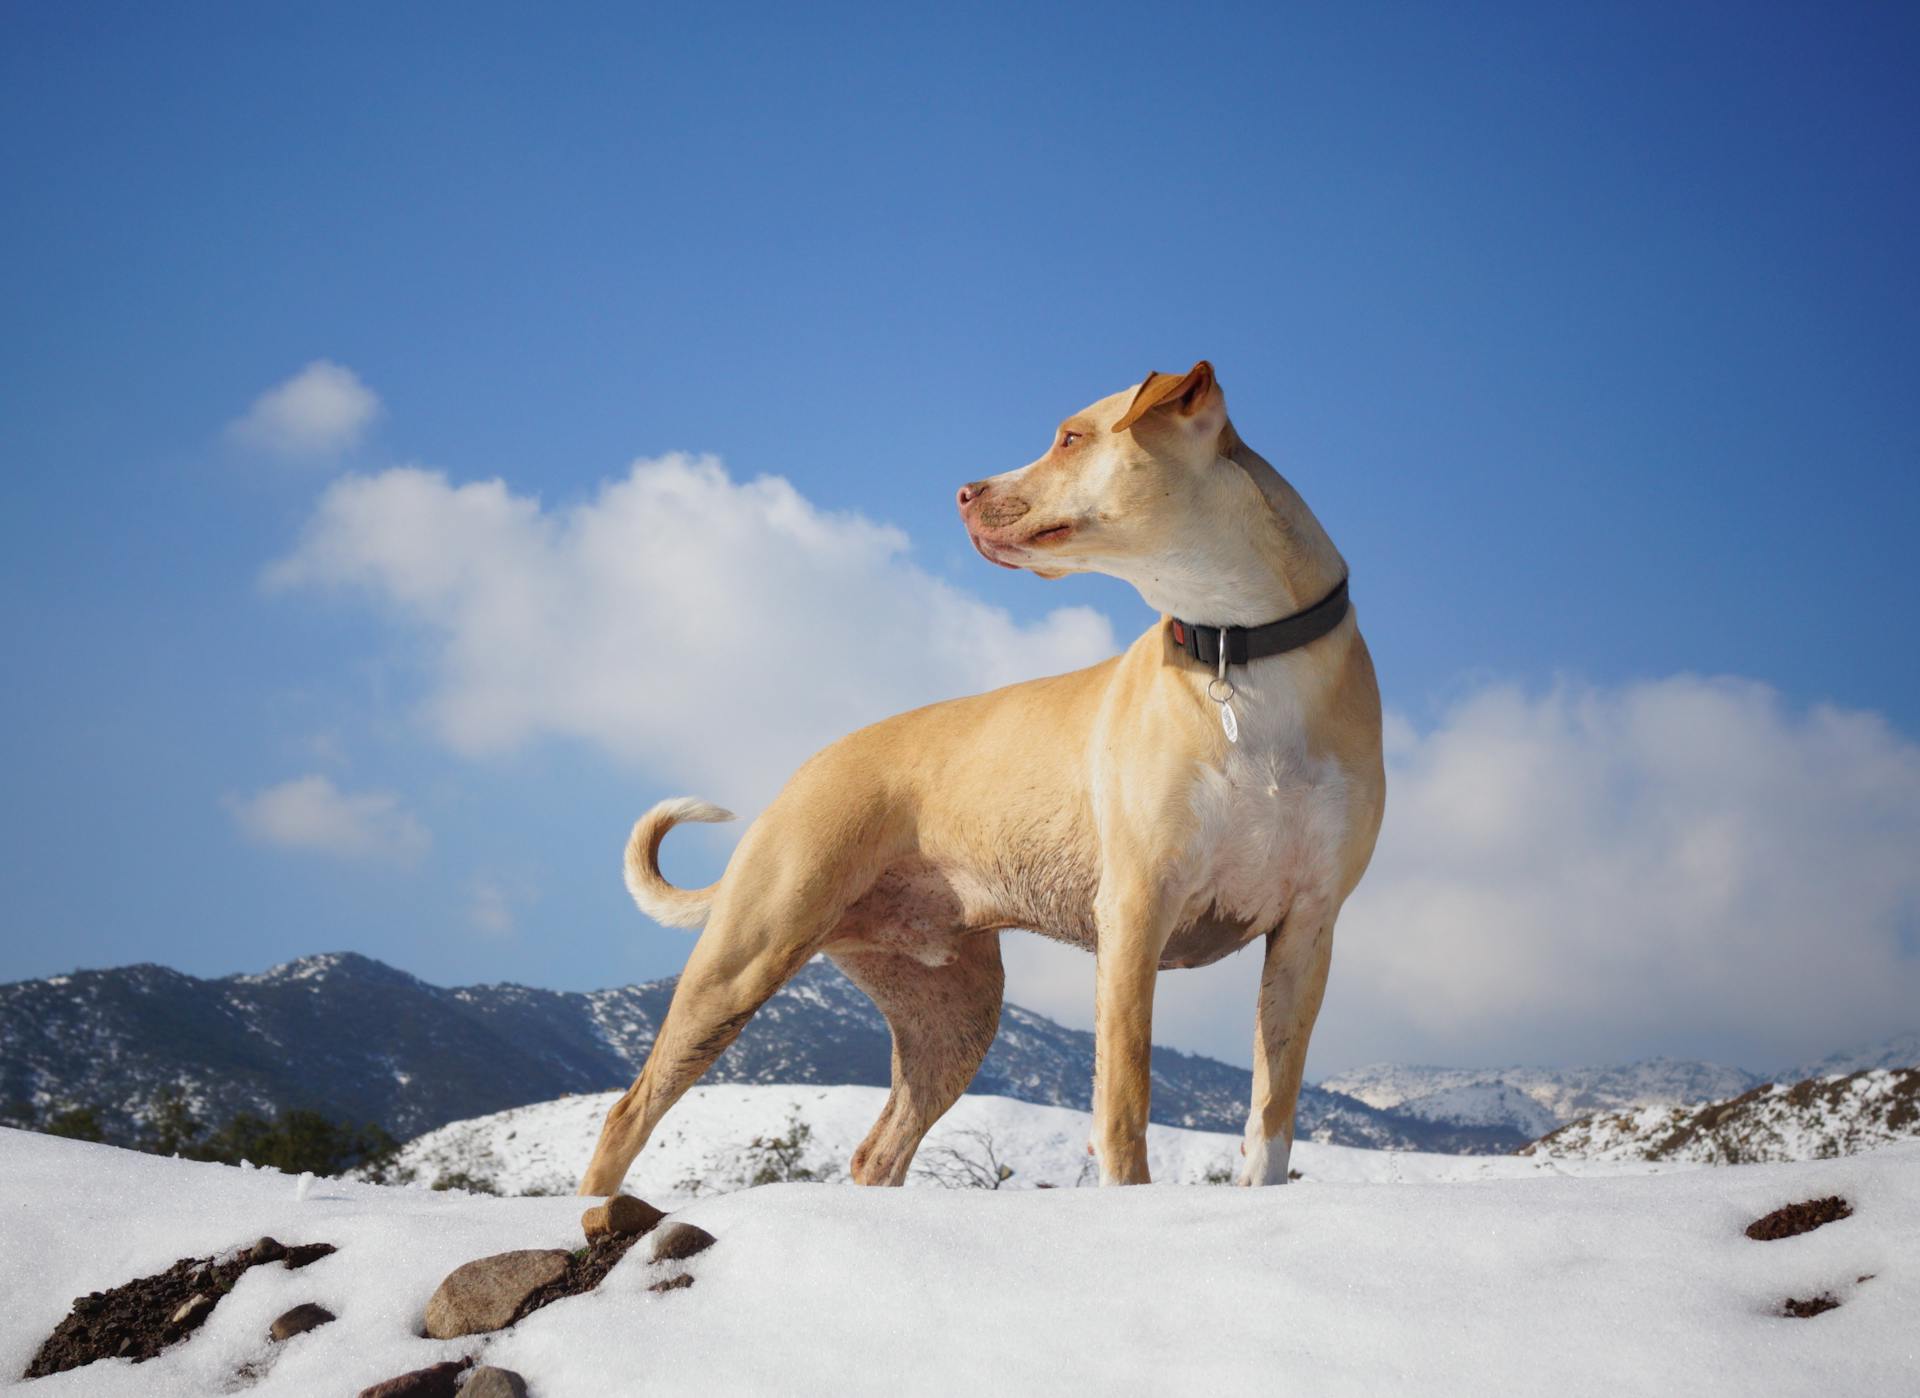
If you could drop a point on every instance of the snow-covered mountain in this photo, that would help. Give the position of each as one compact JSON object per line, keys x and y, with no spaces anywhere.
{"x":1816,"y":1119}
{"x":716,"y":1138}
{"x":1642,"y":1283}
{"x":1901,"y":1051}
{"x":1532,"y":1101}
{"x":351,"y":1037}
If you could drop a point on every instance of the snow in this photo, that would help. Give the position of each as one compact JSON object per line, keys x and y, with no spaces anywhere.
{"x":1810,"y":1120}
{"x":542,"y":1148}
{"x":1566,"y":1094}
{"x":1482,"y":1104}
{"x":1632,"y":1283}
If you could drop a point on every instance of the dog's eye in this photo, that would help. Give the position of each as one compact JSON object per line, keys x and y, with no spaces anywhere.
{"x":1067,"y":439}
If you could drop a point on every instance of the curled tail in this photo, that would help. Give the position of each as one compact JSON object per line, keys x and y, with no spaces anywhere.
{"x":658,"y":899}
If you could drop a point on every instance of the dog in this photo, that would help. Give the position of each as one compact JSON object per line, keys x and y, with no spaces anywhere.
{"x":1218,"y":783}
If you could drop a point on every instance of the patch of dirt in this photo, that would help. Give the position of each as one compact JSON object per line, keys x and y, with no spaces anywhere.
{"x":1811,"y":1307}
{"x":142,"y":1318}
{"x":1802,"y":1217}
{"x":306,"y":1253}
{"x":586,"y":1269}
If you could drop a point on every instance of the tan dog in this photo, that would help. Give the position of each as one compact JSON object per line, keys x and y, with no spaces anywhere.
{"x":1108,"y":808}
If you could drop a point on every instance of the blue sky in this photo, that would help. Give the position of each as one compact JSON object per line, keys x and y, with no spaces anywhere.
{"x":1589,"y":333}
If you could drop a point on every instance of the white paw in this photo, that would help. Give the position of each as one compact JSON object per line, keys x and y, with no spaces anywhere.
{"x":1266,"y":1161}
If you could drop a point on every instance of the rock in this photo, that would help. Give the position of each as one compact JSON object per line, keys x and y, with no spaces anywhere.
{"x":490,"y":1382}
{"x":192,"y":1311}
{"x":484,"y":1294}
{"x":266,"y":1250}
{"x":674,"y":1241}
{"x":685,"y":1279}
{"x":434,"y":1381}
{"x":299,"y":1320}
{"x":308,"y":1252}
{"x":622,"y":1214}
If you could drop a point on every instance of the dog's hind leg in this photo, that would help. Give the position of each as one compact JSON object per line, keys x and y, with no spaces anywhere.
{"x":711,"y":1005}
{"x":943,"y":1020}
{"x":780,"y":898}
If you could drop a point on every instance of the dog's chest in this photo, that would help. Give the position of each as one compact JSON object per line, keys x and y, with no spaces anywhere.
{"x":1270,"y":816}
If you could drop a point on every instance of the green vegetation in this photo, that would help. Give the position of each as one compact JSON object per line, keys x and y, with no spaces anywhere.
{"x":296,"y":1141}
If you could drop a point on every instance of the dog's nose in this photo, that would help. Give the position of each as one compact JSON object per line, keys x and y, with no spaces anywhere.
{"x":970,"y":492}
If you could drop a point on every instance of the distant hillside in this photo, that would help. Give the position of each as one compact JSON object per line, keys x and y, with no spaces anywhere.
{"x":1532,"y":1101}
{"x":1815,"y":1119}
{"x":708,"y":1145}
{"x":1901,"y":1051}
{"x":351,"y":1037}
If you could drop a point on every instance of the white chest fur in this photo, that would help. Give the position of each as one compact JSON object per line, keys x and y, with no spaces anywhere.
{"x":1270,"y":815}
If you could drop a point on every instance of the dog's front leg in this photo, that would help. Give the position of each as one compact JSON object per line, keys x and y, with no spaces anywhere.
{"x":1132,"y":922}
{"x":1293,"y":979}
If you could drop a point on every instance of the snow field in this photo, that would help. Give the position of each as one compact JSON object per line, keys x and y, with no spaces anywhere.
{"x":544,"y":1147}
{"x":1630,"y":1283}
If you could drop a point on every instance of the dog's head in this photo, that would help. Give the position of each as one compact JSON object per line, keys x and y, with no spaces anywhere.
{"x":1121,"y":482}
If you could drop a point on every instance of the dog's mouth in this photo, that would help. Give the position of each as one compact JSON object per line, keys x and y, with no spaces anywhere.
{"x":991,"y":549}
{"x":980,"y":546}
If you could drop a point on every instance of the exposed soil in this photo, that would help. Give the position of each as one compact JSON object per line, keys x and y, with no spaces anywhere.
{"x":140,"y":1319}
{"x":1813,"y":1306}
{"x":585,"y":1270}
{"x":1795,"y":1219}
{"x":434,"y":1381}
{"x":304,"y":1253}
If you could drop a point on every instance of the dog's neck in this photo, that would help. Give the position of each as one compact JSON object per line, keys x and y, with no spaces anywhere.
{"x":1261,"y":554}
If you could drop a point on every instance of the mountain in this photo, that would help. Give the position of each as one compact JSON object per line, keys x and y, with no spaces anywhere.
{"x":1814,"y":1119}
{"x":351,"y":1037}
{"x":1532,"y":1101}
{"x":1901,"y":1051}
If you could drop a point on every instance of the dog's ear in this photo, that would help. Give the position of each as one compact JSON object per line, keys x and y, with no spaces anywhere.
{"x":1184,"y":394}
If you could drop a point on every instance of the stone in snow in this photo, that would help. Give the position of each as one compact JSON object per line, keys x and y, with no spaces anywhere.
{"x":483,"y":1294}
{"x":621,"y":1215}
{"x":490,"y":1382}
{"x":674,"y":1241}
{"x":302,"y":1318}
{"x":192,"y":1311}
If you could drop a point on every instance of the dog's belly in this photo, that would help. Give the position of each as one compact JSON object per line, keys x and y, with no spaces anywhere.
{"x":918,"y":909}
{"x":1205,"y":939}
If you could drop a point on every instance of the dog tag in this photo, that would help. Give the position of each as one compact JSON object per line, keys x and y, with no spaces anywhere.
{"x":1229,"y":722}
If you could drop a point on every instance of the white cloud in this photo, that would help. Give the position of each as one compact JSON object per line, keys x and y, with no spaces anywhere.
{"x":319,"y":412}
{"x":490,"y":909}
{"x":311,"y":814}
{"x":1686,"y":866}
{"x":713,"y":631}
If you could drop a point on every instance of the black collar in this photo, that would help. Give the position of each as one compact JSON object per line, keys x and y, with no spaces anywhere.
{"x":1245,"y":643}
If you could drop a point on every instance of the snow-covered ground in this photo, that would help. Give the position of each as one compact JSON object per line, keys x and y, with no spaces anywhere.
{"x":1640,"y":1283}
{"x":705,"y":1145}
{"x":1808,"y":1120}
